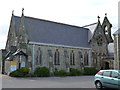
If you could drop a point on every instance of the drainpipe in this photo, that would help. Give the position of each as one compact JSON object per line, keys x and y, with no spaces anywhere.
{"x":90,"y":58}
{"x":20,"y":62}
{"x":117,"y":53}
{"x":33,"y":58}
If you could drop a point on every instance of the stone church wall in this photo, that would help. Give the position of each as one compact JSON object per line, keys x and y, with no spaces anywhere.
{"x":48,"y":57}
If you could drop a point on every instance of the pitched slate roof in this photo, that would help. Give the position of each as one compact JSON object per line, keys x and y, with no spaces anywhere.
{"x":17,"y":23}
{"x":49,"y":32}
{"x":117,"y":32}
{"x":91,"y":28}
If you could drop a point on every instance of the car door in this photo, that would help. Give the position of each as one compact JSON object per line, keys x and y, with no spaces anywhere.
{"x":105,"y":78}
{"x":119,"y":79}
{"x":114,"y":80}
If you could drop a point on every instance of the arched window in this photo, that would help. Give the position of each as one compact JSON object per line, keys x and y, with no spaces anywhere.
{"x":99,"y":40}
{"x":39,"y":57}
{"x":86,"y":59}
{"x":72,"y":58}
{"x":56,"y":58}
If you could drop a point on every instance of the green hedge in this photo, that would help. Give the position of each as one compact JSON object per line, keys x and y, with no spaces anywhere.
{"x":30,"y":75}
{"x":42,"y":72}
{"x":14,"y":74}
{"x":60,"y":73}
{"x":45,"y":72}
{"x":75,"y":72}
{"x":20,"y":72}
{"x":90,"y":71}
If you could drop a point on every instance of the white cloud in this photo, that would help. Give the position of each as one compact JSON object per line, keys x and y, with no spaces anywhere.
{"x":3,"y":39}
{"x":75,"y":12}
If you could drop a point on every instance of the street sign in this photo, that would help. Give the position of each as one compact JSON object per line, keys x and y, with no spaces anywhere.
{"x":13,"y":66}
{"x":13,"y":63}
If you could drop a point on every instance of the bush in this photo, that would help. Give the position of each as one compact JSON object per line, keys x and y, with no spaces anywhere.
{"x":24,"y":70}
{"x":60,"y":73}
{"x":42,"y":72}
{"x":90,"y":71}
{"x":14,"y":74}
{"x":74,"y":72}
{"x":20,"y":72}
{"x":30,"y":75}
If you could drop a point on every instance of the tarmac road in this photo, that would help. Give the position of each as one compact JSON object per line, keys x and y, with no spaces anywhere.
{"x":48,"y":82}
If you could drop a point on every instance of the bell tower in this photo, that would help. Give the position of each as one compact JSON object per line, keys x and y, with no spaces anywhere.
{"x":106,"y":25}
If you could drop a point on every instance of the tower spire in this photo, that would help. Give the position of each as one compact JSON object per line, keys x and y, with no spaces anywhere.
{"x":12,"y":12}
{"x":105,"y":14}
{"x":22,"y":11}
{"x":98,"y":18}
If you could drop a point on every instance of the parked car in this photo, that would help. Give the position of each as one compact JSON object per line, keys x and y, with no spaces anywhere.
{"x":107,"y":79}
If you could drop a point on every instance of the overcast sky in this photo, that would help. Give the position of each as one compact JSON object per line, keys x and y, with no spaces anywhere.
{"x":73,"y":12}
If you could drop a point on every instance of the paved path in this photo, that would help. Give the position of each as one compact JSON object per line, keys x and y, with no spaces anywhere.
{"x":49,"y":82}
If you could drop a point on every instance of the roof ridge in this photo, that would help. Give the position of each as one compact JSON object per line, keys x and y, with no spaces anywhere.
{"x":89,"y":24}
{"x":54,"y":22}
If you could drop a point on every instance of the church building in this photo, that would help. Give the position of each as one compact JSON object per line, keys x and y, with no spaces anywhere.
{"x":102,"y":44}
{"x":34,"y":42}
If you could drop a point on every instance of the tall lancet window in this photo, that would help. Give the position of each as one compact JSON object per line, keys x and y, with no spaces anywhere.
{"x":86,"y":59}
{"x":39,"y":57}
{"x":72,"y":58}
{"x":56,"y":58}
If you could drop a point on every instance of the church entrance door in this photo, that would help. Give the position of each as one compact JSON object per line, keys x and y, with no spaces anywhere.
{"x":106,"y":65}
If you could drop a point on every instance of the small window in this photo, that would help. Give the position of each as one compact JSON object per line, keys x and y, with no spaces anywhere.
{"x":106,"y":73}
{"x":114,"y":74}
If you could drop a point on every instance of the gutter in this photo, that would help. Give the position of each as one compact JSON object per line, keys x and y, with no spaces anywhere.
{"x":36,"y":43}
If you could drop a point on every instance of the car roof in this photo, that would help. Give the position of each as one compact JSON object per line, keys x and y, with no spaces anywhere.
{"x":111,"y":70}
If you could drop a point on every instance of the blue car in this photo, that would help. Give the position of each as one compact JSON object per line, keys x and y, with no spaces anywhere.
{"x":107,"y":79}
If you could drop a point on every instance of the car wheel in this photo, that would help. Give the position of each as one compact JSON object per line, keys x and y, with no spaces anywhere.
{"x":98,"y":85}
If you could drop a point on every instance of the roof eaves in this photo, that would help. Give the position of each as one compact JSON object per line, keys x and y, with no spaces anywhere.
{"x":37,"y":43}
{"x":117,"y":32}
